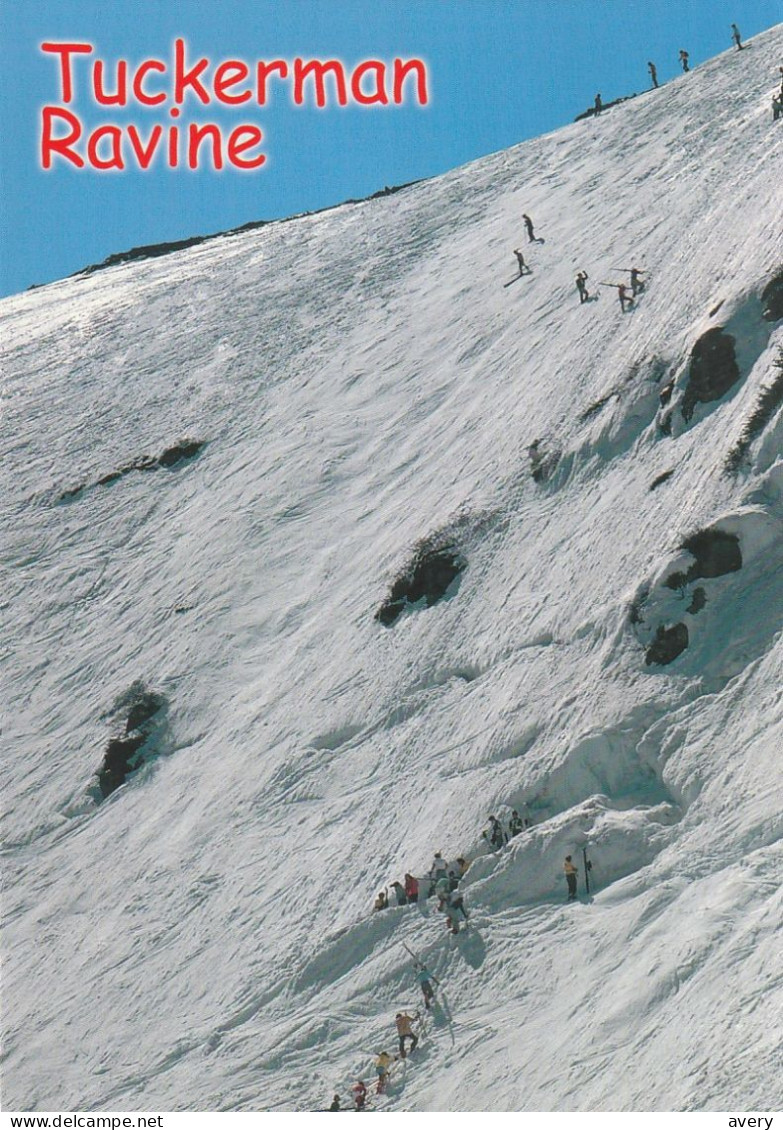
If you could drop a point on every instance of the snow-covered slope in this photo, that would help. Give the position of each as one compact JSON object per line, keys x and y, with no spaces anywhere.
{"x":366,"y":389}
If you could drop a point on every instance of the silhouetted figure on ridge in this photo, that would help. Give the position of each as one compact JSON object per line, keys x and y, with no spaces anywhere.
{"x":735,"y":35}
{"x":598,"y":104}
{"x":685,"y":60}
{"x":653,"y":74}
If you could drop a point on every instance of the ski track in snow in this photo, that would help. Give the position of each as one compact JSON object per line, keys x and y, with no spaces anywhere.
{"x":203,"y":938}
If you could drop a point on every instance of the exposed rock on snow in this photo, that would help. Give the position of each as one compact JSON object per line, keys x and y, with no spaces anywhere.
{"x":713,"y":370}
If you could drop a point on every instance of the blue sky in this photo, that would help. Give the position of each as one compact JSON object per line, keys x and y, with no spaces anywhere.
{"x":499,"y":71}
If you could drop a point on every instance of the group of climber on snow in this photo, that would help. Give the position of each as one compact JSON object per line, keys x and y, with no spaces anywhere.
{"x":404,"y":1024}
{"x":441,"y":881}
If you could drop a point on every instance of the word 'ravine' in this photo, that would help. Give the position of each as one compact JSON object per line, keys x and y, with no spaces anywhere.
{"x":171,"y":85}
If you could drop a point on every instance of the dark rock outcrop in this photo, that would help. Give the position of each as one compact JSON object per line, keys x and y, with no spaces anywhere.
{"x":772,"y":299}
{"x":713,"y":370}
{"x":181,"y":452}
{"x":542,"y":461}
{"x":427,"y":579}
{"x":716,"y":553}
{"x":129,"y":751}
{"x":660,"y":480}
{"x":667,"y":645}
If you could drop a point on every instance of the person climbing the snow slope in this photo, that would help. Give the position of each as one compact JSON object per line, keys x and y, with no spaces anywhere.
{"x":425,"y":979}
{"x":523,"y":267}
{"x":622,"y":294}
{"x":411,"y":888}
{"x":405,"y":1031}
{"x":494,"y":834}
{"x":735,"y":35}
{"x":382,"y":1065}
{"x":382,"y":901}
{"x":463,"y":865}
{"x":581,"y":278}
{"x":653,"y":74}
{"x":437,"y":871}
{"x":359,"y":1092}
{"x":636,"y":282}
{"x":399,"y":892}
{"x":335,"y":1103}
{"x":571,"y":872}
{"x":777,"y":106}
{"x":452,"y":923}
{"x":442,"y":888}
{"x":453,"y":879}
{"x":455,"y":904}
{"x":528,"y":226}
{"x":685,"y":61}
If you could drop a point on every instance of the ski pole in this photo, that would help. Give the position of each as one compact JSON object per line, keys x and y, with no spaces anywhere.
{"x":588,"y":869}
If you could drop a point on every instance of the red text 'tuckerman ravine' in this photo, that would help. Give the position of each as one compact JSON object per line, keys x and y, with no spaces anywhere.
{"x":180,"y":82}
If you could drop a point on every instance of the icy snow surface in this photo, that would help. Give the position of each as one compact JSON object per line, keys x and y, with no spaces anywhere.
{"x":203,"y":938}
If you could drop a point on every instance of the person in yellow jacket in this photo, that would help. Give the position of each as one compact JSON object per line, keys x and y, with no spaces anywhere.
{"x":405,"y":1031}
{"x":571,"y":872}
{"x":382,"y":1065}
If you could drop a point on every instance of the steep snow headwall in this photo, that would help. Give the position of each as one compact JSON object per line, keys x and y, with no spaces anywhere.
{"x":366,"y":389}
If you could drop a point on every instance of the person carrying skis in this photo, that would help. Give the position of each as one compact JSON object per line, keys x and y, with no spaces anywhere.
{"x":382,"y":1064}
{"x":571,"y":872}
{"x":528,"y":226}
{"x":581,"y":278}
{"x":382,"y":901}
{"x":359,"y":1092}
{"x":425,"y":979}
{"x":622,"y":294}
{"x":684,"y":60}
{"x":636,"y":282}
{"x":411,"y":888}
{"x":404,"y":1024}
{"x":735,"y":35}
{"x":653,"y":74}
{"x":523,"y":267}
